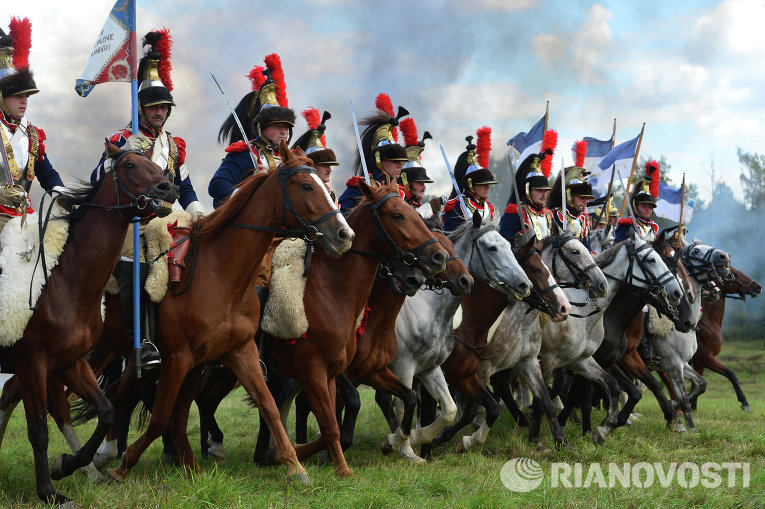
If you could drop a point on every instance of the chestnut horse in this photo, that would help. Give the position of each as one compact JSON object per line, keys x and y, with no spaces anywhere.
{"x":67,"y":319}
{"x":709,"y":333}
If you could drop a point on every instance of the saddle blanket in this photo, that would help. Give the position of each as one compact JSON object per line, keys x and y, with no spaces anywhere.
{"x":284,"y":316}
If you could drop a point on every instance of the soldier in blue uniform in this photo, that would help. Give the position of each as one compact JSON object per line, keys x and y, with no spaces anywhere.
{"x":643,"y":201}
{"x":384,"y":157}
{"x":23,"y":156}
{"x":474,"y":179}
{"x":578,"y":194}
{"x":533,"y":188}
{"x":267,"y":120}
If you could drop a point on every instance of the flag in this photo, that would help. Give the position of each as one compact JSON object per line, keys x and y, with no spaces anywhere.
{"x":596,"y":151}
{"x":619,"y":159}
{"x":111,"y":58}
{"x":529,"y":143}
{"x":669,"y":203}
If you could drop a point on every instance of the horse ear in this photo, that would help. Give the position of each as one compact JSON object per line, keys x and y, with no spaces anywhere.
{"x":477,"y":219}
{"x":661,"y":238}
{"x":112,"y":150}
{"x":555,"y":228}
{"x":365,"y":189}
{"x":284,"y":151}
{"x":530,"y":243}
{"x":298,"y":152}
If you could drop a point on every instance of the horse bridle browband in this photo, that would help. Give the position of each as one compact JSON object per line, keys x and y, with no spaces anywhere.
{"x":401,"y":255}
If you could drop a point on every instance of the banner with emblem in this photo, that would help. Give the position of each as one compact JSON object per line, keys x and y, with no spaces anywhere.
{"x":111,"y":58}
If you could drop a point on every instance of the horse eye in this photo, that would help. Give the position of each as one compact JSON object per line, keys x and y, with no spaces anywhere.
{"x":575,"y":251}
{"x":307,"y":187}
{"x":398,"y":217}
{"x":493,"y":248}
{"x":696,"y":250}
{"x":129,"y":166}
{"x":537,"y":271}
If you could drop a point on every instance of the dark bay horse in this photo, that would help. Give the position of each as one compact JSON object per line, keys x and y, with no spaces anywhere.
{"x":67,"y":321}
{"x":214,"y":315}
{"x":709,"y":333}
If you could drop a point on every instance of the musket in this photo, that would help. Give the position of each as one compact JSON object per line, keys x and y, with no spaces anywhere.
{"x":238,"y":123}
{"x":517,"y":195}
{"x":358,"y":142}
{"x":454,"y":183}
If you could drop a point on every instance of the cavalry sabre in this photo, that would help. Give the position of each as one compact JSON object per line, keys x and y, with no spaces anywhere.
{"x":358,"y":142}
{"x":238,"y":123}
{"x":454,"y":183}
{"x":517,"y":195}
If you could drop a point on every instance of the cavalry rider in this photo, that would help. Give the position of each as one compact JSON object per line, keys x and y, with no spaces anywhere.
{"x":23,"y":152}
{"x":384,"y":157}
{"x":533,"y":187}
{"x":643,"y":201}
{"x":265,"y":115}
{"x":578,"y":193}
{"x":474,"y":179}
{"x":155,"y":105}
{"x":413,"y":175}
{"x":314,"y":144}
{"x":602,"y":212}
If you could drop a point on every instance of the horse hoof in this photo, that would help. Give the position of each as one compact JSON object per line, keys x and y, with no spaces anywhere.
{"x":324,"y":458}
{"x":387,"y":445}
{"x":676,"y":427}
{"x":300,"y":479}
{"x":416,"y":460}
{"x":101,"y":460}
{"x":114,"y":477}
{"x":746,"y":408}
{"x":540,"y":447}
{"x":599,"y":435}
{"x":216,"y":452}
{"x":171,"y":459}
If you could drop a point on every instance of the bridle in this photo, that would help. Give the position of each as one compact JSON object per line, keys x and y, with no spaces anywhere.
{"x":400,"y":255}
{"x":536,"y":298}
{"x":436,"y":283}
{"x":652,"y":284}
{"x":581,"y":275}
{"x":487,"y":276}
{"x":702,"y":268}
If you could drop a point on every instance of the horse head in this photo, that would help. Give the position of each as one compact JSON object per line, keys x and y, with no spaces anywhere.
{"x":456,"y":277}
{"x":705,"y":263}
{"x":682,"y":315}
{"x":140,"y":189}
{"x":400,"y":230}
{"x":643,"y":268}
{"x":547,"y":295}
{"x":489,"y":257}
{"x":741,"y":284}
{"x":309,"y":203}
{"x":572,"y":264}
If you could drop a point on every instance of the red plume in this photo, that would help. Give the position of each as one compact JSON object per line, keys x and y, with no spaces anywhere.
{"x":164,"y":44}
{"x":483,"y":146}
{"x":652,"y":170}
{"x":409,"y":130}
{"x":274,"y":64}
{"x":580,"y":150}
{"x":549,"y":141}
{"x":21,"y":33}
{"x":256,"y":77}
{"x":384,"y":103}
{"x":312,"y":117}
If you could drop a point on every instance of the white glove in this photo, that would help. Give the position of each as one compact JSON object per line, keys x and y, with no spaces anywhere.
{"x":196,"y":209}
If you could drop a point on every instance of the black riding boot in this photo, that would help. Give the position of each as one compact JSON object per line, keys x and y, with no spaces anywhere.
{"x":262,"y":293}
{"x":124,"y":274}
{"x":644,"y":348}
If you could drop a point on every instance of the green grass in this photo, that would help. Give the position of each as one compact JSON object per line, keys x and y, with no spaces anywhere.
{"x":726,"y":434}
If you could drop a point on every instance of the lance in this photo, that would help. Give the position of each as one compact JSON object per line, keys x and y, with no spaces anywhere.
{"x":454,"y":183}
{"x":238,"y":123}
{"x":358,"y":142}
{"x":682,"y":206}
{"x":517,"y":194}
{"x":564,"y":203}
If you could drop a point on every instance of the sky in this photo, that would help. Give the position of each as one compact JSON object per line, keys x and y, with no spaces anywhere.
{"x":691,"y":71}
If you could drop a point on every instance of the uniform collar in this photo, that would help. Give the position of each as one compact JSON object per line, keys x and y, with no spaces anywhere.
{"x":534,"y":208}
{"x":475,"y":199}
{"x":10,"y":122}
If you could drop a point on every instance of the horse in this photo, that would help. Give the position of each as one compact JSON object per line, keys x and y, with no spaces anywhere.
{"x":600,"y":240}
{"x":622,"y":311}
{"x":709,"y":333}
{"x":517,"y":341}
{"x":67,"y":318}
{"x":570,"y":260}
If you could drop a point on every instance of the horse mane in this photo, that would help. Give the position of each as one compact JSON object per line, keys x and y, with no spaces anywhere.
{"x":607,"y":257}
{"x":432,"y":224}
{"x":466,"y":230}
{"x":213,"y":223}
{"x":77,"y":200}
{"x":560,"y":238}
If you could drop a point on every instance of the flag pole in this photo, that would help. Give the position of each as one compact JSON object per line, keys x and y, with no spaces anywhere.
{"x":547,"y":114}
{"x":613,"y":136}
{"x":136,"y":228}
{"x":682,"y":206}
{"x":632,"y":172}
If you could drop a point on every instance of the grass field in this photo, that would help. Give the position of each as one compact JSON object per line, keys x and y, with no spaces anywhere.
{"x":725,"y":434}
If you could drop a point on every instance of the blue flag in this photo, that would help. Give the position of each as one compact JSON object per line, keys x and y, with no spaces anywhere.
{"x":529,"y":143}
{"x":596,"y":151}
{"x":619,"y":159}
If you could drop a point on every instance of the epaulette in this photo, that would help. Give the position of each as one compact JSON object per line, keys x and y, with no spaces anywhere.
{"x":41,"y":137}
{"x":625,"y":221}
{"x":181,"y":144}
{"x":511,"y":208}
{"x":239,"y":146}
{"x":450,"y":205}
{"x":491,"y":208}
{"x":353,"y":181}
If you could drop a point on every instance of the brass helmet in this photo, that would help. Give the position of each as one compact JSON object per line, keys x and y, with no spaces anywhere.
{"x":15,"y":76}
{"x":471,"y":167}
{"x":379,"y":139}
{"x":313,"y":141}
{"x":413,"y":171}
{"x":154,"y":71}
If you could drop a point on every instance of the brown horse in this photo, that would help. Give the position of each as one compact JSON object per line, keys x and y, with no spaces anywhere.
{"x":216,"y":314}
{"x":67,"y":320}
{"x":709,"y":333}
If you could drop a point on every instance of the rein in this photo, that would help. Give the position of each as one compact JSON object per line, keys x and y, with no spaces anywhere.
{"x":654,"y":285}
{"x":580,"y":276}
{"x":535,"y":299}
{"x":701,"y":267}
{"x":472,"y":348}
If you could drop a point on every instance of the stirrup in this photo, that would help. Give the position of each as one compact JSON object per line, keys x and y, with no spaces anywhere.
{"x":150,"y":354}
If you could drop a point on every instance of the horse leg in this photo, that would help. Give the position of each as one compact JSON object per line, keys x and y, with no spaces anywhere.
{"x":58,"y":406}
{"x":473,"y":389}
{"x":585,"y":405}
{"x":8,"y":401}
{"x":633,"y":365}
{"x":171,"y":376}
{"x":352,"y":406}
{"x":302,"y":411}
{"x":321,"y":396}
{"x":674,"y":373}
{"x":633,"y":394}
{"x":435,"y":385}
{"x":531,"y":374}
{"x":591,"y":370}
{"x":698,"y":384}
{"x":383,"y":400}
{"x":427,"y":416}
{"x":216,"y":384}
{"x":179,"y":418}
{"x":572,"y":397}
{"x":386,"y":381}
{"x":500,"y":382}
{"x":718,"y":367}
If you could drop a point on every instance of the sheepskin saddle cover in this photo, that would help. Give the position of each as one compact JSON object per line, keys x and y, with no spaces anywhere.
{"x":17,"y":271}
{"x":658,"y":325}
{"x":284,"y":316}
